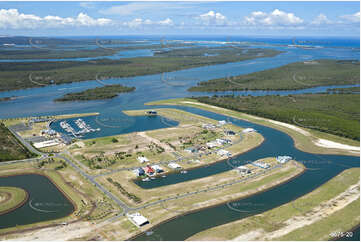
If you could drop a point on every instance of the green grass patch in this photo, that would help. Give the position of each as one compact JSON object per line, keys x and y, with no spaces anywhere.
{"x":11,"y":197}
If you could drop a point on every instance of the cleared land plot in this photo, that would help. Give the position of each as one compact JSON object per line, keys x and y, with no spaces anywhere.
{"x":151,"y":195}
{"x":162,"y":145}
{"x":301,"y":211}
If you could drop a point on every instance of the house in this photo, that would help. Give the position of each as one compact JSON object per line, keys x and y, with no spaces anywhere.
{"x":157,"y":168}
{"x":283,"y":159}
{"x":223,"y":141}
{"x":139,"y":172}
{"x":208,"y":126}
{"x":243,"y":169}
{"x":248,"y":130}
{"x":222,"y":122}
{"x":174,"y":165}
{"x":222,"y":152}
{"x":142,"y":159}
{"x":137,"y":219}
{"x":149,"y":170}
{"x":212,"y":144}
{"x":220,"y":141}
{"x":261,"y":164}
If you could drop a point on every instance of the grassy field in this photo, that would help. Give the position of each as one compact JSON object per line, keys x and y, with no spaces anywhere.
{"x":10,"y":147}
{"x":297,"y":75}
{"x":36,"y":74}
{"x":303,"y":140}
{"x":275,"y":219}
{"x":11,"y":197}
{"x":106,"y":92}
{"x":337,"y":114}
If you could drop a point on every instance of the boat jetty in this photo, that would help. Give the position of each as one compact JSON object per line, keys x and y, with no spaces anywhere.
{"x":82,"y":125}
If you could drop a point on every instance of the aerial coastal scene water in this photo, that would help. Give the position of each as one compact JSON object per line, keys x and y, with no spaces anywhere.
{"x":198,"y":121}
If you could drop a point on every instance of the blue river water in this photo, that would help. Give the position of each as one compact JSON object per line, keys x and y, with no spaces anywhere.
{"x":39,"y":101}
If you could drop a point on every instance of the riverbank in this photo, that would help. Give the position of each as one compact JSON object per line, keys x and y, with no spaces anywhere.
{"x":326,"y":210}
{"x":298,"y":75}
{"x":304,"y":139}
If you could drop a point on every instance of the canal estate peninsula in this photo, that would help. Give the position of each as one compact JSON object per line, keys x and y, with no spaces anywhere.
{"x":181,"y":139}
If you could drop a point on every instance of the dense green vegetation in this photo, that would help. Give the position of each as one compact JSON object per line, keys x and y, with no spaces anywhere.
{"x":54,"y":52}
{"x":10,"y":147}
{"x":97,"y":93}
{"x":131,"y":196}
{"x":297,"y":75}
{"x":337,"y":114}
{"x":21,"y":75}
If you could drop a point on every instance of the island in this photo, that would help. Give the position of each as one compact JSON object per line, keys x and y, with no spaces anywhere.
{"x":98,"y":93}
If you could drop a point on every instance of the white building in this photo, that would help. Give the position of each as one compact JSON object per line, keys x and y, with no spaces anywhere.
{"x":222,"y":122}
{"x":212,"y":144}
{"x":137,"y":219}
{"x":283,"y":159}
{"x":243,"y":169}
{"x":157,"y":168}
{"x":248,"y":130}
{"x":261,"y":164}
{"x":46,"y":143}
{"x":223,"y":153}
{"x":142,"y":159}
{"x":174,"y":165}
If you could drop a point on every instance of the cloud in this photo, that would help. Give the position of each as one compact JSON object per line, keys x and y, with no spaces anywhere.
{"x":321,"y":19}
{"x":12,"y":19}
{"x":139,"y":22}
{"x":212,"y":18}
{"x":88,"y":5}
{"x":142,"y":8}
{"x":353,"y":18}
{"x":275,"y":18}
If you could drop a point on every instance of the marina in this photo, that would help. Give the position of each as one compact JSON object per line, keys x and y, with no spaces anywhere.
{"x":82,"y":125}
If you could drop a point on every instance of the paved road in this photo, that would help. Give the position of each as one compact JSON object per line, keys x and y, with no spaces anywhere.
{"x":77,"y":168}
{"x":98,"y":185}
{"x":179,"y":159}
{"x":26,"y":144}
